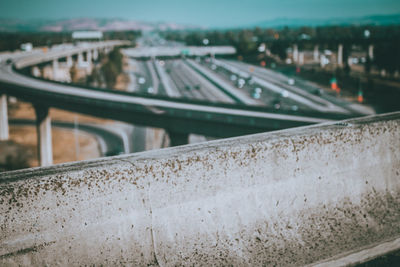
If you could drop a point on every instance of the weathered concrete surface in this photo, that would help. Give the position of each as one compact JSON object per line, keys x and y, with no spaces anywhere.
{"x":291,"y":197}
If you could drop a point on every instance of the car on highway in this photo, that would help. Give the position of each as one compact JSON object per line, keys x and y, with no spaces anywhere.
{"x":256,"y":94}
{"x":197,"y":87}
{"x":277,"y":103}
{"x":188,"y":87}
{"x":9,"y":61}
{"x":318,"y":91}
{"x":241,"y":82}
{"x":285,"y":93}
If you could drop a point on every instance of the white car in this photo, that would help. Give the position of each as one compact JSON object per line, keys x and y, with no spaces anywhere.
{"x":284,"y":93}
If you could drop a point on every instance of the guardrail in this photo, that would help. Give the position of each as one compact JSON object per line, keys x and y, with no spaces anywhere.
{"x":291,"y":197}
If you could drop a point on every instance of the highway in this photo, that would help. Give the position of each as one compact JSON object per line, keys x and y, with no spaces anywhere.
{"x":173,"y":115}
{"x":170,"y":88}
{"x":191,"y":85}
{"x":153,"y":78}
{"x":144,"y":78}
{"x":227,"y":88}
{"x":276,"y":83}
{"x":261,"y":86}
{"x":302,"y":92}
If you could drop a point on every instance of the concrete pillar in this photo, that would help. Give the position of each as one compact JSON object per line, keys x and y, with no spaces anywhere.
{"x":70,"y":62}
{"x":95,"y":54}
{"x":316,"y":53}
{"x":89,"y":56}
{"x":322,"y":60}
{"x":295,"y":53}
{"x":340,"y":55}
{"x":43,"y":129}
{"x":3,"y":118}
{"x":301,"y":58}
{"x":349,"y":61}
{"x":55,"y":68}
{"x":178,"y":139}
{"x":80,"y":59}
{"x":371,"y":51}
{"x":88,"y":63}
{"x":36,"y":72}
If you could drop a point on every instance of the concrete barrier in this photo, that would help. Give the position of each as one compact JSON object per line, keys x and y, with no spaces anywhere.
{"x":292,"y":197}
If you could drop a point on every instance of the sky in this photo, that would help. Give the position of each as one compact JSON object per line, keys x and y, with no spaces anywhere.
{"x":208,"y":13}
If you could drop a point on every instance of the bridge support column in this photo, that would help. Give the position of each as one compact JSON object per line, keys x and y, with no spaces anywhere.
{"x":178,"y":139}
{"x":36,"y":72}
{"x":95,"y":54}
{"x":295,"y":53}
{"x":43,"y":129}
{"x":340,"y":55}
{"x":316,"y":53}
{"x":70,"y":62}
{"x":301,"y":58}
{"x":3,"y":118}
{"x":55,"y":69}
{"x":80,"y":59}
{"x":89,"y":64}
{"x":89,"y":56}
{"x":322,"y":59}
{"x":371,"y":51}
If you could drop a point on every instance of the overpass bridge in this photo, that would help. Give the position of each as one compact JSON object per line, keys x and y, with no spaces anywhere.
{"x":177,"y":51}
{"x":178,"y":117}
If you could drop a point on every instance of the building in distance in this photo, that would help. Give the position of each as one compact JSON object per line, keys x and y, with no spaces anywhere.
{"x":87,"y":36}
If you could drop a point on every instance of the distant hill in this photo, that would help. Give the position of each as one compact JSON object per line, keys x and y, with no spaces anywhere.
{"x":64,"y":25}
{"x":298,"y":22}
{"x":110,"y":24}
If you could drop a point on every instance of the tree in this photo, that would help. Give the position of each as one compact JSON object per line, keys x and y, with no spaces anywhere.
{"x":279,"y":48}
{"x":110,"y":73}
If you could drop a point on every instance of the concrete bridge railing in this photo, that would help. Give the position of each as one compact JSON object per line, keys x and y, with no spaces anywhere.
{"x":292,"y":197}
